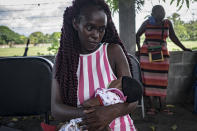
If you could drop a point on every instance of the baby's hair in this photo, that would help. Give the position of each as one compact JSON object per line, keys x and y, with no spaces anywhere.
{"x":67,"y":58}
{"x":131,"y":88}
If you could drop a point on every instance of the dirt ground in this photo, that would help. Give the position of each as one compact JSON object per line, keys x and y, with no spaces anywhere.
{"x":183,"y":119}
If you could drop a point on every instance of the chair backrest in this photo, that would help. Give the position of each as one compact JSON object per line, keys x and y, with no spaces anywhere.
{"x":136,"y":70}
{"x":25,"y":86}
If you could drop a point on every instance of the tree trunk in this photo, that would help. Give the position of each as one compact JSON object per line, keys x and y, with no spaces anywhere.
{"x":127,"y":24}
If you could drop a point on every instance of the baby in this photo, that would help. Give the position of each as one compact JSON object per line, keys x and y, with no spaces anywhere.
{"x":123,"y":89}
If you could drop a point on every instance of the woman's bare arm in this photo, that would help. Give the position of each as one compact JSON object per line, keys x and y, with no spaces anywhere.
{"x":174,"y":38}
{"x":140,"y":31}
{"x":122,"y":68}
{"x":61,"y":111}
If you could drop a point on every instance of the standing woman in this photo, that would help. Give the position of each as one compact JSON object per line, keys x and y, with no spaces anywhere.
{"x":154,"y":56}
{"x":90,"y":56}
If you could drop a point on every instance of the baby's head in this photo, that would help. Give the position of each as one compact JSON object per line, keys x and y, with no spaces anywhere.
{"x":129,"y":86}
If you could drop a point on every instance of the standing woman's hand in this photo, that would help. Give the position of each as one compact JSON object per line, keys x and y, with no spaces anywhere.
{"x":98,"y":118}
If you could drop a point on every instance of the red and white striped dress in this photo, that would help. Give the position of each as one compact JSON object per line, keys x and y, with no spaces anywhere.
{"x":94,"y":71}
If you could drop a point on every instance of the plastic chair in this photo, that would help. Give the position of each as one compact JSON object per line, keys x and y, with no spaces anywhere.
{"x":136,"y":72}
{"x":25,"y":87}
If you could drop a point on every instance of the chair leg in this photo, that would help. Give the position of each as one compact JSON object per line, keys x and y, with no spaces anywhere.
{"x":142,"y":104}
{"x":47,"y":117}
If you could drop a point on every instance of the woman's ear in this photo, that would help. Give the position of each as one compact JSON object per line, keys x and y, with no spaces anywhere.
{"x":74,"y":23}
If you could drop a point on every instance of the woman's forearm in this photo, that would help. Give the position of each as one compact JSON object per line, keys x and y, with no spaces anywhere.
{"x":64,"y":112}
{"x":59,"y":110}
{"x":174,"y":38}
{"x":178,"y":43}
{"x":122,"y":109}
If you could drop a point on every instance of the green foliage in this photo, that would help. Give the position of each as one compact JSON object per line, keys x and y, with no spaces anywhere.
{"x":55,"y":37}
{"x":8,"y":36}
{"x":47,"y":38}
{"x":184,"y":31}
{"x":180,"y":3}
{"x":192,"y":30}
{"x":36,"y":37}
{"x":113,"y":4}
{"x":139,"y":4}
{"x":54,"y":47}
{"x":39,"y":37}
{"x":181,"y":32}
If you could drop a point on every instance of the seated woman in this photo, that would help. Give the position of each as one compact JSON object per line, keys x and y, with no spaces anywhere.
{"x":90,"y":56}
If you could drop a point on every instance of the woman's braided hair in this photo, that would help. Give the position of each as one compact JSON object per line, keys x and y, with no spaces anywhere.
{"x":67,"y":58}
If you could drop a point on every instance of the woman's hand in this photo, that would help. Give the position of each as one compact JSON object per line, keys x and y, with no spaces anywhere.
{"x":98,"y":118}
{"x":91,"y":103}
{"x":116,"y":84}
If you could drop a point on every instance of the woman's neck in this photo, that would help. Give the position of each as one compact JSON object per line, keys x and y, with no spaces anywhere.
{"x":84,"y":50}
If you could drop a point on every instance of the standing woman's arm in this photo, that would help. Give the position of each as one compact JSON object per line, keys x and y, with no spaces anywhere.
{"x":61,"y":111}
{"x":174,"y":38}
{"x":140,"y":31}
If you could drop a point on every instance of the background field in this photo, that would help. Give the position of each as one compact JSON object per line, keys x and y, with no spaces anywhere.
{"x":32,"y":51}
{"x":188,"y":44}
{"x":43,"y":50}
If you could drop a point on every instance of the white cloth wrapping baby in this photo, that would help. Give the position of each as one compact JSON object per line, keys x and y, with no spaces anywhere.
{"x":72,"y":125}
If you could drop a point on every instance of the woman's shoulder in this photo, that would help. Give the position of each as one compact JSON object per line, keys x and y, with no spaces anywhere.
{"x":116,"y":56}
{"x":146,"y":22}
{"x":114,"y":51}
{"x":167,"y":21}
{"x":114,"y":47}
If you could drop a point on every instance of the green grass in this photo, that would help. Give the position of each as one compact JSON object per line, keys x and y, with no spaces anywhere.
{"x":188,"y":44}
{"x":19,"y":51}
